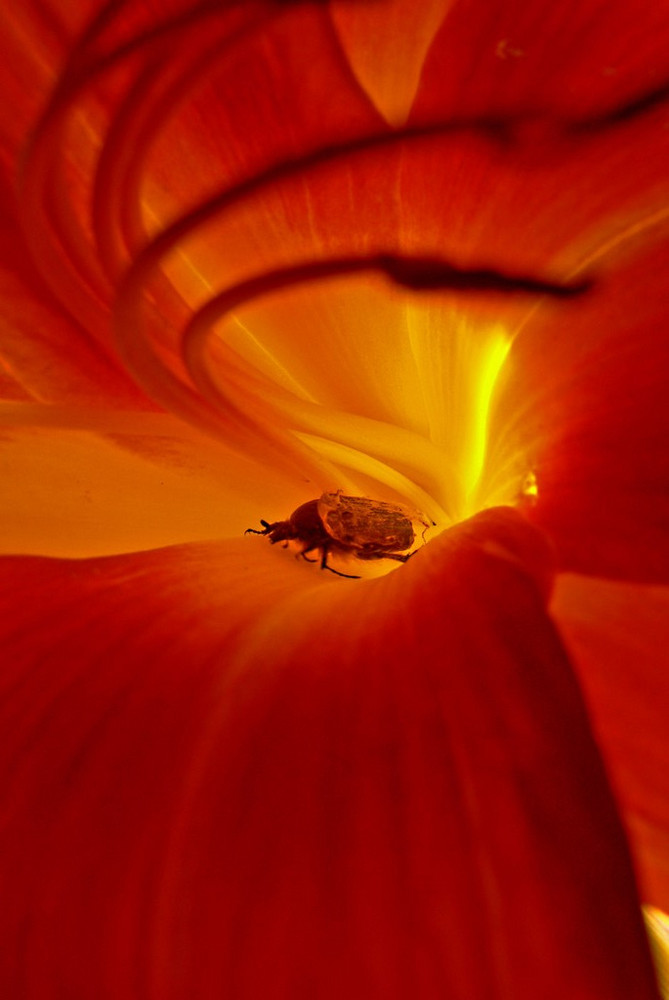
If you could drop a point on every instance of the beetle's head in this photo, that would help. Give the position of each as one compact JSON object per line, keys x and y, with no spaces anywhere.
{"x":279,"y":531}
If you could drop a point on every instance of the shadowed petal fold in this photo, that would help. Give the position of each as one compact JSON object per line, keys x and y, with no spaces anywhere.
{"x":585,"y":406}
{"x":618,"y":635}
{"x":235,"y":775}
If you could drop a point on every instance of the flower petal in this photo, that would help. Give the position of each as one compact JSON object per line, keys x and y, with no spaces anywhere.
{"x":386,"y":47}
{"x":566,"y":171}
{"x":585,"y":407}
{"x":46,"y":353}
{"x":34,"y":46}
{"x":573,"y":59}
{"x":234,"y":775}
{"x":139,"y":481}
{"x":618,"y":635}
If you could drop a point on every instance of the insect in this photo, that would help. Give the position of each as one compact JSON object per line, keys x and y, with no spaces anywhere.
{"x":367,"y":529}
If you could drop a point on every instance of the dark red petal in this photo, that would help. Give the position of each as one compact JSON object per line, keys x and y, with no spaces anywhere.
{"x":618,"y":636}
{"x":571,"y":59}
{"x":46,"y":353}
{"x":232,"y":775}
{"x":586,"y":407}
{"x":35,"y":40}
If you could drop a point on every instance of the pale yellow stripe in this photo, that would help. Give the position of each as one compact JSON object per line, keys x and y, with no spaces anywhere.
{"x":657,"y":925}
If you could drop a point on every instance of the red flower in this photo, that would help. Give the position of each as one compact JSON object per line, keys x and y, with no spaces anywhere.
{"x":256,"y":252}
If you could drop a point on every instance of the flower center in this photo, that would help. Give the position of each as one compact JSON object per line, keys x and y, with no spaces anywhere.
{"x":379,"y":390}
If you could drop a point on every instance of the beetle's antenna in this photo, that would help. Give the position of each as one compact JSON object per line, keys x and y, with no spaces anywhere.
{"x":254,"y":531}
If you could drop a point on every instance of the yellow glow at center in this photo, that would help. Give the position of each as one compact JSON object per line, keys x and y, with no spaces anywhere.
{"x":391,"y":393}
{"x":458,"y":360}
{"x":494,"y":356}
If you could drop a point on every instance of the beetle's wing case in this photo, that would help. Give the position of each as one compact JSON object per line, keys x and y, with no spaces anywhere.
{"x":361,"y":523}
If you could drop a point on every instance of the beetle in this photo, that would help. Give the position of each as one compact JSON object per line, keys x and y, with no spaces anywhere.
{"x":367,"y":529}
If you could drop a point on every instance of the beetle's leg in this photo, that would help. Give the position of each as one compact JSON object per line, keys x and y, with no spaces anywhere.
{"x":324,"y":565}
{"x":303,"y":553}
{"x":398,"y":556}
{"x":347,"y":576}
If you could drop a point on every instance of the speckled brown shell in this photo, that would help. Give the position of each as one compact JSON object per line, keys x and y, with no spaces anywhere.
{"x":364,"y":525}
